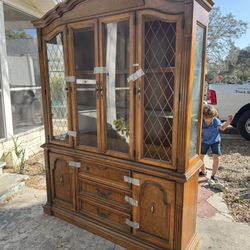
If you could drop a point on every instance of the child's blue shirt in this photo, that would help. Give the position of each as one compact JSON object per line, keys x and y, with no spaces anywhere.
{"x":210,"y":134}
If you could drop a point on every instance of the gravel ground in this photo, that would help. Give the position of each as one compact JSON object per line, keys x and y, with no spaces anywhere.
{"x":234,"y":173}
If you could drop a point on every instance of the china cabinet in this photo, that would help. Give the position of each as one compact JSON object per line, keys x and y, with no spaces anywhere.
{"x":122,"y":93}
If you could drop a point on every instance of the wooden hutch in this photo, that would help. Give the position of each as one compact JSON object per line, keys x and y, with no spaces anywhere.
{"x":122,"y":93}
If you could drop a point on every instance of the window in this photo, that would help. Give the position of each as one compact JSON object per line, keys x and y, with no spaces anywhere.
{"x":1,"y":114}
{"x":24,"y":75}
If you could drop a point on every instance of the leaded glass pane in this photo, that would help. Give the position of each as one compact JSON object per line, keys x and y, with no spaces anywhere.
{"x":159,"y":81}
{"x":58,"y":94}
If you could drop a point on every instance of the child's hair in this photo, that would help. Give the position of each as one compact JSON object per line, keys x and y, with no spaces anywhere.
{"x":209,"y":112}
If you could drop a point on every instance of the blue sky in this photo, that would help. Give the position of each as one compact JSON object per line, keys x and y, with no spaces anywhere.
{"x":241,"y":10}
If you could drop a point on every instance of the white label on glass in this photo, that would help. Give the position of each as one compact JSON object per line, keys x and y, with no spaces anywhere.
{"x":139,"y":73}
{"x":100,"y":70}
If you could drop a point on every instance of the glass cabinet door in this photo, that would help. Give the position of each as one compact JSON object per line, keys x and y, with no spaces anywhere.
{"x":86,"y":90}
{"x":117,"y":96}
{"x":156,"y":98}
{"x":58,"y":110}
{"x":197,"y":90}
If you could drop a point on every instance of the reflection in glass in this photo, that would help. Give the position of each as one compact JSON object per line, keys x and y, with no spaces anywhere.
{"x":58,"y":95}
{"x":24,"y":77}
{"x":116,"y":55}
{"x":1,"y":116}
{"x":196,"y":96}
{"x":86,"y":86}
{"x":26,"y":109}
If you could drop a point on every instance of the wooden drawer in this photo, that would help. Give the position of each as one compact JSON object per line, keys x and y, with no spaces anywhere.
{"x":108,"y":175}
{"x":104,"y":193}
{"x":106,"y":215}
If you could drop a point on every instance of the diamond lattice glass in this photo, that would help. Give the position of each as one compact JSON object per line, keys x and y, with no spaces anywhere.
{"x":159,"y":80}
{"x":58,"y":95}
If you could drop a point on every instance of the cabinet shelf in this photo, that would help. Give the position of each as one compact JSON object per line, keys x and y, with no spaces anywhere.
{"x":161,"y":114}
{"x":159,"y":70}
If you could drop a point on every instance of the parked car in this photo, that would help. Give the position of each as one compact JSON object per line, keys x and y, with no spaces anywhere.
{"x":232,"y":99}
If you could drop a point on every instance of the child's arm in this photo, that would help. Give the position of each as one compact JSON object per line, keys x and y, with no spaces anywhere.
{"x":224,"y":125}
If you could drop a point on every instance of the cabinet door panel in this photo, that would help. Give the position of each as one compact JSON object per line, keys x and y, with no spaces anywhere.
{"x":63,"y":181}
{"x":155,"y":212}
{"x":86,"y":91}
{"x":59,"y":116}
{"x":117,"y":55}
{"x":157,"y":90}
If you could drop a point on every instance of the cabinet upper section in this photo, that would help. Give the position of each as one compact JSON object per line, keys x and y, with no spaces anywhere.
{"x":71,"y":10}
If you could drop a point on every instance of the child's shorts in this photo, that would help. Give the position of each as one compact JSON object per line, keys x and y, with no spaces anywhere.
{"x":214,"y":147}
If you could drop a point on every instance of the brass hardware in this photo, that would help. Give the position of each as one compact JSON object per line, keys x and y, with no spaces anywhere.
{"x":132,"y":224}
{"x":86,"y":168}
{"x":152,"y":209}
{"x":104,"y":168}
{"x":131,"y":201}
{"x":103,"y":215}
{"x":131,"y":180}
{"x":101,"y":89}
{"x":139,"y":90}
{"x":102,"y":194}
{"x":61,"y":179}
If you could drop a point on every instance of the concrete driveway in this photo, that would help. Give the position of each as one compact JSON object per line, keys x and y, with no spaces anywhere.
{"x":24,"y":226}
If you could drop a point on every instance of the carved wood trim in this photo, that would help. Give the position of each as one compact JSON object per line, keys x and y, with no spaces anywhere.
{"x":206,"y":4}
{"x":178,"y":227}
{"x":147,"y":183}
{"x":60,"y":9}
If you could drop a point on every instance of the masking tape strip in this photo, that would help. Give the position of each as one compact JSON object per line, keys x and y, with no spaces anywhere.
{"x":70,"y":78}
{"x":100,"y":70}
{"x":139,"y":73}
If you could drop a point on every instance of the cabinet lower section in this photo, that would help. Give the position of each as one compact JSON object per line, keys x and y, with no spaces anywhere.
{"x":133,"y":209}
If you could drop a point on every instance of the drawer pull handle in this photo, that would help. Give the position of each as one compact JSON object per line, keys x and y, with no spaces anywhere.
{"x":75,"y":164}
{"x":131,"y":180}
{"x":152,"y":209}
{"x":104,"y":168}
{"x":102,"y":214}
{"x":102,"y":194}
{"x":131,"y":201}
{"x":86,"y":168}
{"x":132,"y":224}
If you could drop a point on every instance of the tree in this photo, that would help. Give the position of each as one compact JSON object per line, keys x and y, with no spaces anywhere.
{"x":17,"y":34}
{"x":222,"y":33}
{"x":243,"y":63}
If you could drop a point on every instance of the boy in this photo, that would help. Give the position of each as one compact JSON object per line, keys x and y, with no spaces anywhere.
{"x":211,"y":127}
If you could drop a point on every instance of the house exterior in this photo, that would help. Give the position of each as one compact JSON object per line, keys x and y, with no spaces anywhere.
{"x":20,"y":85}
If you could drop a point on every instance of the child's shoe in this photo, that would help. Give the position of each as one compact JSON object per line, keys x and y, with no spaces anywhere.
{"x":214,"y":179}
{"x":214,"y":183}
{"x":201,"y":174}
